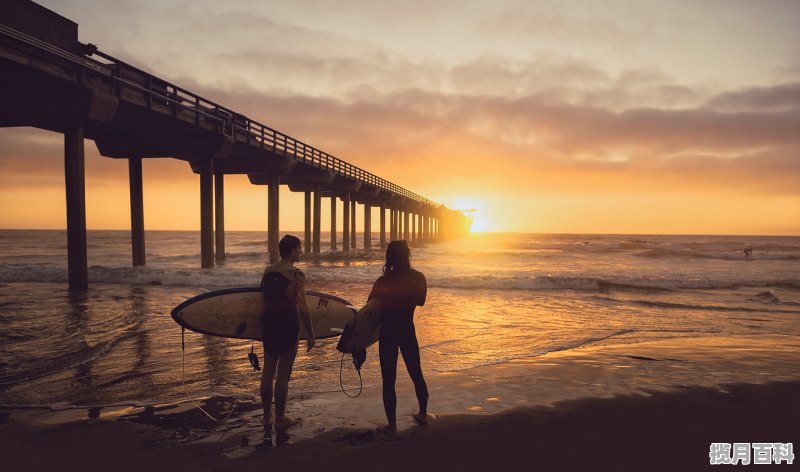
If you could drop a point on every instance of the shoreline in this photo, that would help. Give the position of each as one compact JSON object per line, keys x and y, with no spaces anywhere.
{"x":657,"y":431}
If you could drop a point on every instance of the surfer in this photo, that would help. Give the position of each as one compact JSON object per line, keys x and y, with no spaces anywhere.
{"x":284,"y":289}
{"x":748,"y":251}
{"x":400,"y":289}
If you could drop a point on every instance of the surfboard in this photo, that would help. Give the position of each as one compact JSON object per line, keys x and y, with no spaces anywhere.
{"x":362,"y":330}
{"x":236,"y":313}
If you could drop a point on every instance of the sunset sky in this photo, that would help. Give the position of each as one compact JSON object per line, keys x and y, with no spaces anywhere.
{"x":608,"y":116}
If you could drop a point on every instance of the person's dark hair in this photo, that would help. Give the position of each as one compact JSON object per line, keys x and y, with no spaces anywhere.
{"x":287,"y":244}
{"x":398,"y":257}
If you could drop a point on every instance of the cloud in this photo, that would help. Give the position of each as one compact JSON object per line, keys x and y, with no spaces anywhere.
{"x":747,"y":150}
{"x":780,"y":97}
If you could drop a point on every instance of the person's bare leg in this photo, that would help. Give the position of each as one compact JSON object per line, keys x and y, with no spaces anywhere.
{"x":267,"y":377}
{"x":284,"y":373}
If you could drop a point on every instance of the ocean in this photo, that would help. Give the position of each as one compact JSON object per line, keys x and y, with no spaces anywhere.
{"x":493,"y":300}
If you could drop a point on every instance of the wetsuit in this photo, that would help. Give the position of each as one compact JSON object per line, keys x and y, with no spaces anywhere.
{"x":280,"y":286}
{"x":400,"y":293}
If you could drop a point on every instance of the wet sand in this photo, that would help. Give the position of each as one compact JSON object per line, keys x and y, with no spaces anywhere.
{"x":635,"y":407}
{"x":664,"y":431}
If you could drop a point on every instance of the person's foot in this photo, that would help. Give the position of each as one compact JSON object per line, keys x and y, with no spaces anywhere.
{"x":421,"y":418}
{"x":388,"y":431}
{"x":286,"y":422}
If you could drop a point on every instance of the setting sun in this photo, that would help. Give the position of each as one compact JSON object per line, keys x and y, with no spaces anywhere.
{"x":476,"y":209}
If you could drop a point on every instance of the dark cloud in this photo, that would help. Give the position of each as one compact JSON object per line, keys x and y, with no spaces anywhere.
{"x":781,"y":97}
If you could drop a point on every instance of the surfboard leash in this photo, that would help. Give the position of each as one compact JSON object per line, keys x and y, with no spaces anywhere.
{"x":360,"y":381}
{"x":183,"y":382}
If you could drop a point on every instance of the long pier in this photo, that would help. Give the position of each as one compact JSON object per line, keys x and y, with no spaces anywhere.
{"x":50,"y":80}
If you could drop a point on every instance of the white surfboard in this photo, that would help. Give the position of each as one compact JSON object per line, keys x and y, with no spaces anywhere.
{"x":237,"y":313}
{"x":362,"y":329}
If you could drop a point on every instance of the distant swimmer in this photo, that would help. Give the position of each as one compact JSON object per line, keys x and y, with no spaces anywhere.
{"x":748,"y":251}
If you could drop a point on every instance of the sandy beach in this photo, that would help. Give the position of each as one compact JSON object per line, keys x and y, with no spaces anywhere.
{"x":577,"y":410}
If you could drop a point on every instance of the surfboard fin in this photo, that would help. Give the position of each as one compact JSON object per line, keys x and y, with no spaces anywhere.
{"x":253,"y":357}
{"x":358,"y":358}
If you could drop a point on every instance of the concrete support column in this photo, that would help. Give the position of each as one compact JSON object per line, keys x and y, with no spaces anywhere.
{"x":367,"y":225}
{"x":307,"y":244}
{"x":333,"y":224}
{"x":137,"y":210}
{"x":383,"y":224}
{"x":346,"y":222}
{"x":353,"y":223}
{"x":207,"y":212}
{"x":391,"y":224}
{"x":317,"y":219}
{"x":75,"y":180}
{"x":413,"y":228}
{"x":219,"y":215}
{"x":273,"y":217}
{"x":405,"y":225}
{"x":428,"y":222}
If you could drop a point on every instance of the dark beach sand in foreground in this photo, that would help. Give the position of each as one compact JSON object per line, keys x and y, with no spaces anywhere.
{"x":663,"y":431}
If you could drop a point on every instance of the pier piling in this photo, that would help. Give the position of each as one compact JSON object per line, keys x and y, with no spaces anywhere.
{"x":206,"y":212}
{"x":307,"y":243}
{"x":353,"y":223}
{"x":273,"y":217}
{"x":219,"y":215}
{"x":74,"y":172}
{"x":333,"y":223}
{"x":137,"y":210}
{"x":367,"y":225}
{"x":383,"y":224}
{"x":317,"y":218}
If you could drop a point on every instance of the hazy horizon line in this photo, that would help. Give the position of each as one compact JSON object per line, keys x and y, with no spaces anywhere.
{"x":301,"y":231}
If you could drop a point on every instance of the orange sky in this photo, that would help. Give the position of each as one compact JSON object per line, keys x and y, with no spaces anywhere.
{"x":637,"y":117}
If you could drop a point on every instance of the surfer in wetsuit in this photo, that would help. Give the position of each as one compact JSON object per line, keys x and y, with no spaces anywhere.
{"x":284,"y":289}
{"x":400,"y":290}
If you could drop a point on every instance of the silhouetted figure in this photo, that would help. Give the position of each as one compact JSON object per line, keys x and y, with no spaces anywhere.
{"x":400,"y":289}
{"x":284,"y":289}
{"x":748,"y":251}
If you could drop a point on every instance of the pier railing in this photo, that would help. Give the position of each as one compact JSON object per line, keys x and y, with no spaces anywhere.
{"x":136,"y":85}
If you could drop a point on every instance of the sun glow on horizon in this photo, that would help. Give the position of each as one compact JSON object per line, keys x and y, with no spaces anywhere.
{"x":476,"y":209}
